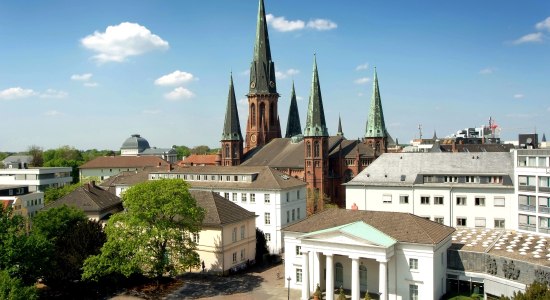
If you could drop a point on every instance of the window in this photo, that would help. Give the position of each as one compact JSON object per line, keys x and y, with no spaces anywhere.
{"x":287,"y":196}
{"x":460,"y":221}
{"x":480,"y":201}
{"x":196,"y":238}
{"x":413,"y":292}
{"x":439,"y":220}
{"x":499,"y":223}
{"x":252,"y":198}
{"x":288,"y":216}
{"x":234,"y":257}
{"x":460,"y":200}
{"x":495,"y":179}
{"x":234,"y":235}
{"x":242,"y":255}
{"x":234,"y":197}
{"x":480,"y":222}
{"x":438,"y":200}
{"x":266,"y":198}
{"x":298,"y":213}
{"x":386,"y":198}
{"x":298,"y":250}
{"x":298,"y":194}
{"x":308,"y":149}
{"x":472,"y":179}
{"x":425,"y":200}
{"x":242,"y":232}
{"x":544,"y":182}
{"x":243,"y":197}
{"x":526,"y":180}
{"x":499,"y":201}
{"x":267,"y":237}
{"x":267,"y":218}
{"x":316,"y":149}
{"x":298,"y":275}
{"x":413,"y":263}
{"x":226,"y":195}
{"x":293,"y":215}
{"x":404,"y":199}
{"x":453,"y":179}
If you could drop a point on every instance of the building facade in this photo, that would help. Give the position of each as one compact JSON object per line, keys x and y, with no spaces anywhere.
{"x":37,"y":179}
{"x":23,"y":201}
{"x":104,"y":167}
{"x":136,"y":145}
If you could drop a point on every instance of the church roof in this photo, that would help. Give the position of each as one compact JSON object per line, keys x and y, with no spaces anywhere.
{"x":293,"y":126}
{"x":376,"y":126}
{"x":403,"y":227}
{"x":198,"y":160}
{"x":135,"y":142}
{"x":315,"y":122}
{"x":262,"y":69}
{"x":232,"y":126}
{"x":219,"y":211}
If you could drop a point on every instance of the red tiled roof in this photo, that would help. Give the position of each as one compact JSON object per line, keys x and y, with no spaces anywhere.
{"x":199,"y":160}
{"x":125,"y":162}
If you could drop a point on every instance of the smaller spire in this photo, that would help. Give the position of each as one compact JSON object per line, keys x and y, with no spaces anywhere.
{"x":340,"y":132}
{"x":232,"y":126}
{"x":293,"y":126}
{"x":435,"y":136}
{"x":543,"y":138}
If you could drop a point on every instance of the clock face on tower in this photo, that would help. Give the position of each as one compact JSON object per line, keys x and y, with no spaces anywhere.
{"x":252,"y":84}
{"x":253,"y":138}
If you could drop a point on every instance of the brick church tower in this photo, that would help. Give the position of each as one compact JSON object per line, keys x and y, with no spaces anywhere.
{"x":232,"y":139}
{"x":316,"y":141}
{"x":376,"y":135}
{"x":263,"y":117}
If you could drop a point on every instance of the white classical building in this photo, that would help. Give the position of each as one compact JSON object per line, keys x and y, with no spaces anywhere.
{"x":392,"y":255}
{"x":277,"y":199}
{"x":37,"y":179}
{"x":455,"y":189}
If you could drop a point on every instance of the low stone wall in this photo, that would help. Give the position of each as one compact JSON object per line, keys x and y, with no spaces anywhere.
{"x":503,"y":267}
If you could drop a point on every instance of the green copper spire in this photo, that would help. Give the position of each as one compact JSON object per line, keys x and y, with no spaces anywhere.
{"x":340,"y":132}
{"x":232,"y":127}
{"x":375,"y":123}
{"x":293,"y":126}
{"x":315,"y":123}
{"x":262,"y":69}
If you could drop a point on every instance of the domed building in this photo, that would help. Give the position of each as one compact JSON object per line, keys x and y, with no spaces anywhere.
{"x":136,"y":145}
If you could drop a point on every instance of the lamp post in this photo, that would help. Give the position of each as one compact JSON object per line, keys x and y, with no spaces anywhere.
{"x":288,"y":279}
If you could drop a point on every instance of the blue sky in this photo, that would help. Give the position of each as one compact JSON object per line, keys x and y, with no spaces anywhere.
{"x":91,"y":73}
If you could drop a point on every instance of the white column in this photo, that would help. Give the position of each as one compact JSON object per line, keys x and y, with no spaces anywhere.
{"x":355,"y":278}
{"x":382,"y":280}
{"x":330,"y":277}
{"x":316,"y":276}
{"x":305,"y":275}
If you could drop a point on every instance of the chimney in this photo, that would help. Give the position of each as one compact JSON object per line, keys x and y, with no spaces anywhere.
{"x":354,"y":207}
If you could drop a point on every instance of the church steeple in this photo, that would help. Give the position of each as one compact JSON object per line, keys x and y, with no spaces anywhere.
{"x":293,"y":126}
{"x":232,"y":126}
{"x":232,"y":139}
{"x":435,"y":136}
{"x":263,"y":118}
{"x":376,"y":127}
{"x":262,"y":69}
{"x":340,"y":132}
{"x":315,"y":122}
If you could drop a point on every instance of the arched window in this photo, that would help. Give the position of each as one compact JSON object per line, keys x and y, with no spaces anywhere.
{"x":272,"y":114}
{"x":235,"y":152}
{"x":308,"y":149}
{"x":316,"y":149}
{"x":363,"y":278}
{"x":253,"y":114}
{"x":338,"y":275}
{"x":262,"y":113}
{"x":227,"y":153}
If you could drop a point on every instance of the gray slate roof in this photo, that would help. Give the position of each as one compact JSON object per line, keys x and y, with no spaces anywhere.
{"x":219,"y":211}
{"x":89,"y":198}
{"x":403,"y":227}
{"x":135,"y":142}
{"x":389,"y":168}
{"x":17,"y":159}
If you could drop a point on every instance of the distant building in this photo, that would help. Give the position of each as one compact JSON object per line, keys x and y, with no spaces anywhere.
{"x":200,"y":160}
{"x":135,"y":145}
{"x":23,"y":201}
{"x":37,"y":179}
{"x":17,"y":161}
{"x":107,"y":166}
{"x":97,"y":204}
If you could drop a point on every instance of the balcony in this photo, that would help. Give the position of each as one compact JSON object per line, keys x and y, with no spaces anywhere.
{"x":526,"y":207}
{"x":544,"y":209}
{"x":528,"y":227}
{"x":527,"y":188}
{"x":544,"y":189}
{"x":544,"y":230}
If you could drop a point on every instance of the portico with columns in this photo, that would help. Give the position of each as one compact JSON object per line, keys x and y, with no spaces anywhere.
{"x":341,"y":249}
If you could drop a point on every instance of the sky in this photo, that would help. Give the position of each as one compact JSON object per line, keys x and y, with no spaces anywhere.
{"x":88,"y":74}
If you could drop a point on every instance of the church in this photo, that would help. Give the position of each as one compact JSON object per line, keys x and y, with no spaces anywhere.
{"x":323,"y":161}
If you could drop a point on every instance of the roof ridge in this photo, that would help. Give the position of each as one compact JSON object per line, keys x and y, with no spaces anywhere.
{"x":417,"y":218}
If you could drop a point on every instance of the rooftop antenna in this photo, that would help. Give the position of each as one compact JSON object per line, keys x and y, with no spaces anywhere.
{"x":420,"y":130}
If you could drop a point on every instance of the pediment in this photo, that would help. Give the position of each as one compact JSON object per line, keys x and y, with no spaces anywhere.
{"x":357,"y":233}
{"x":341,"y":238}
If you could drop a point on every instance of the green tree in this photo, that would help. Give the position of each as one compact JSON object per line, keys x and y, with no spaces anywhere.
{"x":153,"y":235}
{"x":261,"y":246}
{"x":316,"y":201}
{"x":183,"y":151}
{"x":535,"y":291}
{"x":13,"y":288}
{"x":36,"y":153}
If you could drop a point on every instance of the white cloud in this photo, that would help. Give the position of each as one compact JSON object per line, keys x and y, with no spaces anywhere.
{"x":299,"y":98}
{"x":245,"y":73}
{"x":362,"y":80}
{"x":321,"y":24}
{"x":543,"y":25}
{"x":51,"y":93}
{"x":529,"y":38}
{"x":486,"y":71}
{"x":287,"y":73}
{"x":175,"y":78}
{"x":179,"y":93}
{"x":81,"y":77}
{"x":151,"y":111}
{"x":362,"y":67}
{"x":243,"y":102}
{"x":52,"y":113}
{"x":519,"y":96}
{"x":16,"y":93}
{"x":119,"y":42}
{"x":91,"y":84}
{"x":284,"y":25}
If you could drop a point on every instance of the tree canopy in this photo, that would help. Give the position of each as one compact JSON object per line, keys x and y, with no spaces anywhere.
{"x":153,"y":235}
